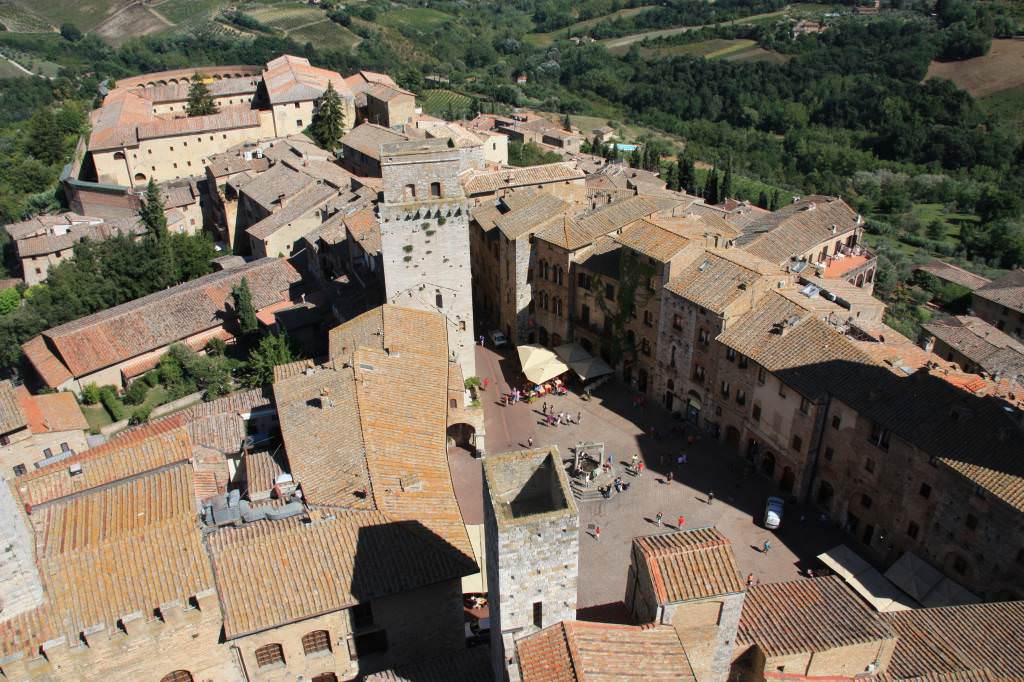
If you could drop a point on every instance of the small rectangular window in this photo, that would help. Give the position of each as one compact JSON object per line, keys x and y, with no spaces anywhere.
{"x":677,"y":322}
{"x":805,"y":406}
{"x":760,"y":375}
{"x":869,"y":465}
{"x":782,"y":390}
{"x":829,"y":454}
{"x":730,"y":354}
{"x":609,"y":291}
{"x":797,"y":443}
{"x":925,"y":491}
{"x":725,"y":389}
{"x":756,"y":413}
{"x":912,"y":530}
{"x":741,"y":397}
{"x":836,"y":421}
{"x":971,"y":521}
{"x":865,"y":501}
{"x":538,"y":614}
{"x":19,"y":469}
{"x":367,"y":644}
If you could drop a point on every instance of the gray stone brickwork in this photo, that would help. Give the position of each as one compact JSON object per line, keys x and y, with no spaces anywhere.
{"x":424,"y":227}
{"x":531,"y":526}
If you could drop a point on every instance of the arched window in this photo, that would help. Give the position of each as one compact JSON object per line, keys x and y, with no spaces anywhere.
{"x":271,"y":654}
{"x":119,"y":156}
{"x":435,"y":189}
{"x":140,"y":177}
{"x":317,"y":640}
{"x":177,"y":676}
{"x":410,"y":191}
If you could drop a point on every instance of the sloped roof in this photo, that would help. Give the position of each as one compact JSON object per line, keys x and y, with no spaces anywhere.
{"x":535,"y":214}
{"x":1007,"y":291}
{"x":577,"y":651}
{"x":332,"y":563}
{"x":364,"y":227}
{"x":572,"y":233}
{"x":130,"y":453}
{"x":717,"y":279}
{"x":797,"y":227}
{"x":483,"y":182}
{"x":652,"y":240}
{"x":130,"y":329}
{"x":101,"y":559}
{"x":297,"y":205}
{"x":808,"y":616}
{"x":979,"y":341}
{"x":959,"y":642}
{"x":49,"y":412}
{"x":955,"y":274}
{"x":292,"y":79}
{"x":12,"y":417}
{"x":367,"y":139}
{"x":690,"y":564}
{"x":322,"y":436}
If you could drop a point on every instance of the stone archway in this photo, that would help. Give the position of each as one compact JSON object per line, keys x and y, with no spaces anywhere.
{"x":693,"y":403}
{"x":732,"y":438}
{"x":768,"y":464}
{"x":462,"y":435}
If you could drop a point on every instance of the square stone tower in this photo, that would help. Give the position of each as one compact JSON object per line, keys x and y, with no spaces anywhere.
{"x":424,"y":230}
{"x":531,"y":528}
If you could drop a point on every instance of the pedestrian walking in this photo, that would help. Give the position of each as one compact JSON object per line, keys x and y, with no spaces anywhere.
{"x":639,"y":469}
{"x":486,"y":382}
{"x":579,"y":418}
{"x":561,"y":417}
{"x":597,"y":533}
{"x":544,"y":408}
{"x":750,"y":580}
{"x":767,"y":545}
{"x":670,"y":477}
{"x":636,"y":458}
{"x":657,"y":519}
{"x":481,"y":339}
{"x":711,"y":496}
{"x":529,"y":442}
{"x":504,"y":399}
{"x":682,"y":521}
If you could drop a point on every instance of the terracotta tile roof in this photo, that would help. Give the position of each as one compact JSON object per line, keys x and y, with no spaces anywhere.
{"x":405,"y":439}
{"x":46,"y":223}
{"x":582,"y":230}
{"x":980,"y":342}
{"x":794,"y":343}
{"x":24,"y":633}
{"x":797,"y":227}
{"x":365,"y":330}
{"x":959,"y":641}
{"x":49,"y":412}
{"x":261,"y":469}
{"x":364,"y":227}
{"x":50,"y":242}
{"x":228,"y":119}
{"x":808,"y":616}
{"x":331,"y":563}
{"x":572,"y":651}
{"x":304,"y":202}
{"x":466,"y":665}
{"x":130,"y":329}
{"x":115,"y":123}
{"x":278,"y":182}
{"x":131,"y":453}
{"x":486,"y":216}
{"x":120,"y":549}
{"x":12,"y":417}
{"x":652,"y":240}
{"x":717,"y":279}
{"x":1007,"y":291}
{"x":323,"y":437}
{"x":50,"y":369}
{"x":293,"y":79}
{"x":541,"y":210}
{"x":690,"y":564}
{"x":485,"y":182}
{"x":367,"y":139}
{"x":362,"y":79}
{"x":178,"y":92}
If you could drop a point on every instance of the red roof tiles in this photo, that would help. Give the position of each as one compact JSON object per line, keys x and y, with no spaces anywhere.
{"x":690,"y":564}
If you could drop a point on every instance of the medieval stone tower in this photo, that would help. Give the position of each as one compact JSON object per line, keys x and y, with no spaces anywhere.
{"x":424,"y":230}
{"x":531,"y":527}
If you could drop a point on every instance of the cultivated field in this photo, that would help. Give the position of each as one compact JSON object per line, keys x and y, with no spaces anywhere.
{"x":131,"y":22}
{"x":577,"y":28}
{"x":85,"y":14}
{"x":1001,"y":69}
{"x":19,"y":19}
{"x":440,"y":102}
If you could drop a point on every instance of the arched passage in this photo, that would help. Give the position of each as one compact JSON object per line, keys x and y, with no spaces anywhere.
{"x":692,"y":407}
{"x":788,"y":480}
{"x":732,"y":437}
{"x":460,"y":435}
{"x":768,"y":464}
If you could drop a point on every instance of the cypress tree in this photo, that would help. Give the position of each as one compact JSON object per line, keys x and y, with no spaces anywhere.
{"x":726,"y":190}
{"x":775,"y":201}
{"x":245,"y":313}
{"x":152,"y":213}
{"x":200,"y":101}
{"x":164,"y":267}
{"x":762,"y":200}
{"x":329,"y":121}
{"x":672,"y":177}
{"x":567,"y":122}
{"x":687,"y":175}
{"x":634,"y":159}
{"x":711,"y":195}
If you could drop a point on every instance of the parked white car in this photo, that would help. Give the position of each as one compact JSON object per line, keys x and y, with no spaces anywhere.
{"x":773,"y":512}
{"x":498,"y":338}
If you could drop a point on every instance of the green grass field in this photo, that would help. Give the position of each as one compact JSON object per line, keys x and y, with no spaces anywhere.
{"x":439,"y":102}
{"x":188,"y":11}
{"x":19,"y":19}
{"x":8,"y":70}
{"x":1007,"y":108}
{"x":419,"y":18}
{"x":86,"y":15}
{"x":542,"y":39}
{"x":326,"y":34}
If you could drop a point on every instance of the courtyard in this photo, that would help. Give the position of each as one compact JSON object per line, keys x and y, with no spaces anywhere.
{"x":610,"y":417}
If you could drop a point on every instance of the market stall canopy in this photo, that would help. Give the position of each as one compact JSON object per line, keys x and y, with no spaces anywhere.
{"x":926,"y":584}
{"x":582,"y":362}
{"x":866,"y":580}
{"x":540,"y":364}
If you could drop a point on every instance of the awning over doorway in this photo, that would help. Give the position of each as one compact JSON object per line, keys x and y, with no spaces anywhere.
{"x":866,"y":580}
{"x":583,"y":363}
{"x":540,"y":364}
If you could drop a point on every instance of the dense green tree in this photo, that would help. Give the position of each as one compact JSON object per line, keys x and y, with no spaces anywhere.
{"x":566,"y":122}
{"x":70,"y":32}
{"x":726,"y":190}
{"x":711,"y":193}
{"x":153,"y":214}
{"x":245,"y":312}
{"x":10,"y":299}
{"x":329,"y":121}
{"x":44,"y":140}
{"x":762,"y":200}
{"x":272,"y":350}
{"x":200,"y":101}
{"x":687,"y":175}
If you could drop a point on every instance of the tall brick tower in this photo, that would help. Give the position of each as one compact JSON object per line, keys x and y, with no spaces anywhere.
{"x":531,"y":528}
{"x":424,"y":230}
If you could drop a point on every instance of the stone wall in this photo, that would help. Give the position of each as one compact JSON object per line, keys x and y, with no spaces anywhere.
{"x":707,"y":628}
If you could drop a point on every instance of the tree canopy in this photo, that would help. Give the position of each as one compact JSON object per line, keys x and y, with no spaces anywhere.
{"x":329,"y":120}
{"x":200,"y":101}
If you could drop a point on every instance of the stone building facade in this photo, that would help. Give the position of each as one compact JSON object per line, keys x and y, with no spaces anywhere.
{"x":424,"y":228}
{"x":532,"y":546}
{"x":1001,"y":303}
